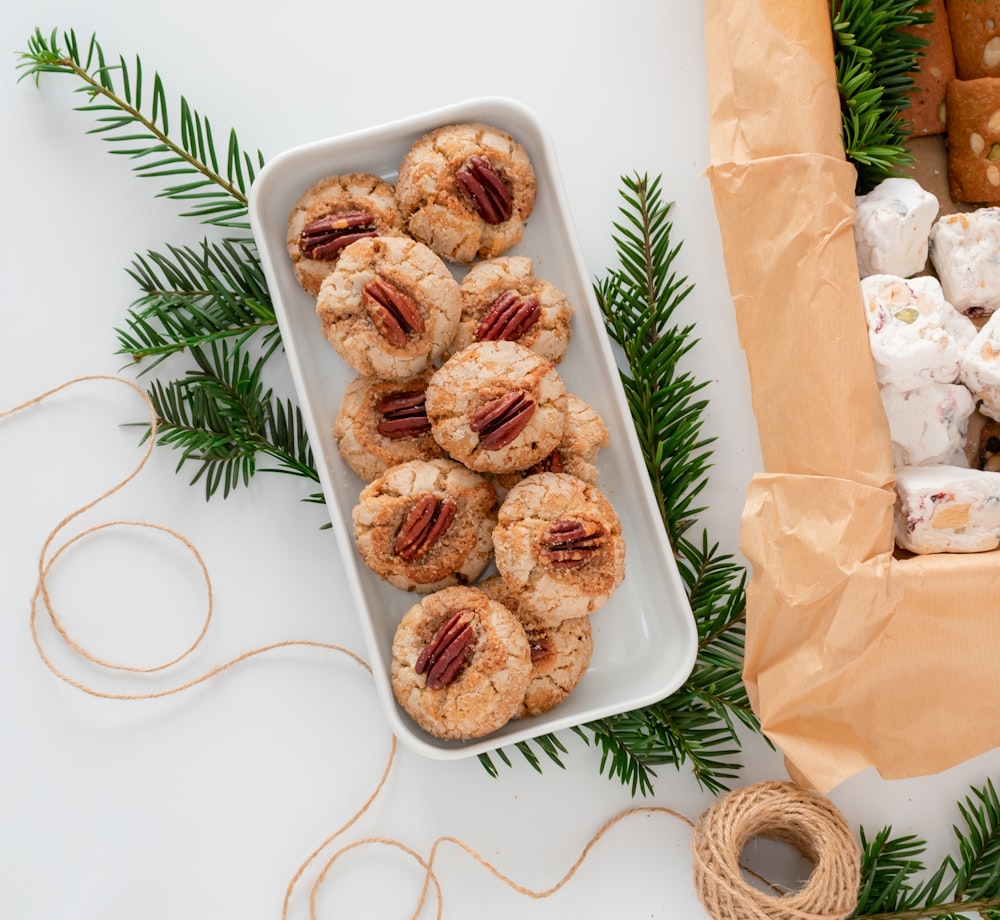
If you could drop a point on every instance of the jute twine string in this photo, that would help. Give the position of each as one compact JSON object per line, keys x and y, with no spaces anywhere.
{"x":777,"y":810}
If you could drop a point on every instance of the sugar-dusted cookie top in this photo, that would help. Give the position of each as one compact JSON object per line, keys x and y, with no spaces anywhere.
{"x":466,"y":190}
{"x":332,"y":214}
{"x":390,"y":307}
{"x":460,"y":663}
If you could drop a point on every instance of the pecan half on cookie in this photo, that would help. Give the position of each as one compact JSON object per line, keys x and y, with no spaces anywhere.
{"x":466,"y":191}
{"x":426,"y":524}
{"x":461,"y":663}
{"x":559,"y":545}
{"x":497,"y":407}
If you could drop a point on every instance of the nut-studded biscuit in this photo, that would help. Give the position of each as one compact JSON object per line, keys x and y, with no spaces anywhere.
{"x":390,"y":308}
{"x":560,"y":653}
{"x":382,"y":423}
{"x":497,"y":407}
{"x":460,"y":664}
{"x":331,"y":215}
{"x":935,"y":69}
{"x":974,"y":140}
{"x":975,"y":37}
{"x":576,"y":453}
{"x":558,"y":544}
{"x":426,"y":524}
{"x":466,"y":191}
{"x":503,"y":300}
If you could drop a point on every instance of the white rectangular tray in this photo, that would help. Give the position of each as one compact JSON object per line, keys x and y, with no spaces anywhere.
{"x":645,"y":641}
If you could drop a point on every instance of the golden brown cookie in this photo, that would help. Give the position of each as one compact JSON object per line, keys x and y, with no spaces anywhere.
{"x":331,"y":215}
{"x":503,"y":300}
{"x":497,"y":407}
{"x":560,"y":653}
{"x":460,"y":664}
{"x":576,"y":453}
{"x":559,"y":546}
{"x":974,"y":140}
{"x":935,"y":69}
{"x":426,"y":524}
{"x":466,"y":190}
{"x":390,"y":308}
{"x":381,"y":423}
{"x":975,"y":37}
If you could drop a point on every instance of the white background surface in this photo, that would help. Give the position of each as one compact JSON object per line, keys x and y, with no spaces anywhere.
{"x":203,"y":804}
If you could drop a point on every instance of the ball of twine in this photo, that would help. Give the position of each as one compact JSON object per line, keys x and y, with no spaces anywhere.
{"x":788,"y":813}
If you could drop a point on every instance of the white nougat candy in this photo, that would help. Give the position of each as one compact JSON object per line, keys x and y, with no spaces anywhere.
{"x":980,"y":368}
{"x":916,"y":337}
{"x":965,"y":252}
{"x":892,"y":224}
{"x":947,"y":509}
{"x":928,"y":424}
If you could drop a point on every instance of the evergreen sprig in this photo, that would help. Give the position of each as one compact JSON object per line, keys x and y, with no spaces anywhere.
{"x":697,"y":725}
{"x":137,"y":125}
{"x":209,"y":303}
{"x":193,"y":297}
{"x":221,"y":417}
{"x":875,"y":57}
{"x":893,"y":883}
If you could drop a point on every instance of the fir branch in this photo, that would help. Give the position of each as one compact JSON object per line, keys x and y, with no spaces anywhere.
{"x":194,"y":297}
{"x":875,"y":57}
{"x":969,"y":884}
{"x":699,"y":724}
{"x":221,"y":417}
{"x":115,"y":96}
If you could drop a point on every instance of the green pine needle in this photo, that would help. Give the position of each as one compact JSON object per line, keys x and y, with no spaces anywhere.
{"x":875,"y":58}
{"x":893,"y":883}
{"x":697,"y":726}
{"x":220,"y":417}
{"x":193,"y":297}
{"x":137,"y":126}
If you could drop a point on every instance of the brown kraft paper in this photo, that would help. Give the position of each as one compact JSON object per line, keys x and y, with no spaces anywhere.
{"x":856,"y":656}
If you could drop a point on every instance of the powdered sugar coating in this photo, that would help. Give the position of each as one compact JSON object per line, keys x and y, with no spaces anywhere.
{"x":486,"y":371}
{"x":487,"y":691}
{"x":439,"y":214}
{"x":350,"y":192}
{"x":413,"y":269}
{"x":550,"y":593}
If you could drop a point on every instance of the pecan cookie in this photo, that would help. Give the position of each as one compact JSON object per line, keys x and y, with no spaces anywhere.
{"x":503,"y":300}
{"x":576,"y":453}
{"x":331,"y":215}
{"x":559,"y":546}
{"x":390,"y":308}
{"x":382,"y":423}
{"x":426,"y":524}
{"x":497,"y":407}
{"x":560,"y":653}
{"x":466,"y":191}
{"x":460,"y":663}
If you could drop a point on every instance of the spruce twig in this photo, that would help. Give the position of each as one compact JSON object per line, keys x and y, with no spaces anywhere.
{"x":697,"y":725}
{"x":115,"y":94}
{"x":875,"y":57}
{"x":969,"y":883}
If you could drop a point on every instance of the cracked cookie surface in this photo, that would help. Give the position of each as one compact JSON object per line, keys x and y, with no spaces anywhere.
{"x":381,"y":423}
{"x":337,"y":209}
{"x":497,"y":406}
{"x":390,"y":308}
{"x":436,"y":205}
{"x":503,"y":299}
{"x":558,"y":544}
{"x":425,"y":525}
{"x":560,"y":652}
{"x":491,"y":662}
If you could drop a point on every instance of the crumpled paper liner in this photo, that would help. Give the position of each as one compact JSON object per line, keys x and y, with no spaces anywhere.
{"x":855,"y":657}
